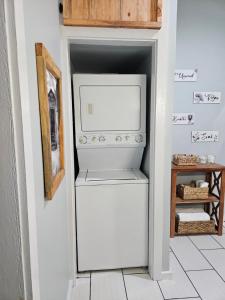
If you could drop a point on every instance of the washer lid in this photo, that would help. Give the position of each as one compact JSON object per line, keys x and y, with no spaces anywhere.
{"x":110,"y":175}
{"x":94,"y":178}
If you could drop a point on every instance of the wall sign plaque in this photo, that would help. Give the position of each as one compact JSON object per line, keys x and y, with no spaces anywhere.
{"x":186,"y":75}
{"x":207,"y":97}
{"x":204,"y":136}
{"x":183,"y":118}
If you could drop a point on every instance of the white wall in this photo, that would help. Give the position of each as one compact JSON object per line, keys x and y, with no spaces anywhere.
{"x":42,"y":25}
{"x":201,"y":44}
{"x":11,"y":264}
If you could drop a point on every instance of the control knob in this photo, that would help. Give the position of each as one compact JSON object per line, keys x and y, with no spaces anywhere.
{"x":118,"y":138}
{"x":101,"y":138}
{"x":139,"y":138}
{"x":94,"y":139}
{"x":83,"y":139}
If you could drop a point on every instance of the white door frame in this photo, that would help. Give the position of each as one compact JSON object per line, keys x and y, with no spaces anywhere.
{"x":160,"y":126}
{"x":21,"y":84}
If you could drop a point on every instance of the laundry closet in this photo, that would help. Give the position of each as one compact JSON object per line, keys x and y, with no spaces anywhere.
{"x":111,"y":86}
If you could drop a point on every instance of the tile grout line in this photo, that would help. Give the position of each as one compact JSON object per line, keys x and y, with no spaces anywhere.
{"x":186,"y":275}
{"x":161,"y":290}
{"x":124,"y":283}
{"x":182,"y":298}
{"x":212,"y":239}
{"x":207,"y":261}
{"x":90,"y":288}
{"x":135,"y":273}
{"x":217,"y":242}
{"x":193,"y":284}
{"x":204,"y":249}
{"x":199,"y":270}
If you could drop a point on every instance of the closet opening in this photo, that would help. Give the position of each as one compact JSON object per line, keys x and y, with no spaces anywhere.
{"x":112,"y":96}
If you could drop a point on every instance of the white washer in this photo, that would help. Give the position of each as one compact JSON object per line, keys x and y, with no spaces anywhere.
{"x":112,"y":219}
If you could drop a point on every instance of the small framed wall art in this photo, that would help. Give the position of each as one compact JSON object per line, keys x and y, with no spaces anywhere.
{"x":50,"y":107}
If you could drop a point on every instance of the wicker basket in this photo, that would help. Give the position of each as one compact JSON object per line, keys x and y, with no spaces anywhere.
{"x":185,"y":159}
{"x":196,"y":227}
{"x":193,"y":193}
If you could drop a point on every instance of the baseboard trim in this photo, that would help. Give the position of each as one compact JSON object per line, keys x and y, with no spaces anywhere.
{"x":167,"y":275}
{"x":70,"y":290}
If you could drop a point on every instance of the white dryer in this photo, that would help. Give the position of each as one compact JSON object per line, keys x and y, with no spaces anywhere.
{"x":111,"y":191}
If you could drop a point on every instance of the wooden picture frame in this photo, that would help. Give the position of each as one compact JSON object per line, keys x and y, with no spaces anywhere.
{"x":51,"y":117}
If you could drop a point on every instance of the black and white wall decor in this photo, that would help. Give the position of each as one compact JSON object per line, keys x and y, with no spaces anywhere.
{"x":186,"y":75}
{"x":202,"y":136}
{"x":183,"y":118}
{"x":207,"y":97}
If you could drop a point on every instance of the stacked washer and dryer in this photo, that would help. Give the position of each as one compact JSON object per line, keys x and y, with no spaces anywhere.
{"x":111,"y":191}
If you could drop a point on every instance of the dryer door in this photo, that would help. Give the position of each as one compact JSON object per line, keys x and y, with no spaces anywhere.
{"x":110,"y":108}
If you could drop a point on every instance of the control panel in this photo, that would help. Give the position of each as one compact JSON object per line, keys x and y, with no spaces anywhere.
{"x":122,"y":140}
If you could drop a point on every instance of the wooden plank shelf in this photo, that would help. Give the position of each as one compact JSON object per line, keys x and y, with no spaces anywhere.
{"x":211,"y":199}
{"x":198,"y":168}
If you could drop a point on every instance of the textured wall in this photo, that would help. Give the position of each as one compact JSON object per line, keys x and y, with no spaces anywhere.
{"x":201,"y":44}
{"x":42,"y":25}
{"x":11,"y":275}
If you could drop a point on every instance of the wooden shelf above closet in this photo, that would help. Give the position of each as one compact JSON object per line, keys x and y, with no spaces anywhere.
{"x":113,"y":13}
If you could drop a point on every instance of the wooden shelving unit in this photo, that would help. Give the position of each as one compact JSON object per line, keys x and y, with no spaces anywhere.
{"x":214,"y":205}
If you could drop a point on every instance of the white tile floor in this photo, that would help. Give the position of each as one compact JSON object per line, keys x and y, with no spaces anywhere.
{"x":197,"y":263}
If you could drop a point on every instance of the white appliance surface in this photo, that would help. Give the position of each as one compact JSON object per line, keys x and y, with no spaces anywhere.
{"x":100,"y":105}
{"x":110,"y":175}
{"x":112,"y":220}
{"x":111,"y":191}
{"x":110,"y":109}
{"x":110,"y":120}
{"x":103,"y":177}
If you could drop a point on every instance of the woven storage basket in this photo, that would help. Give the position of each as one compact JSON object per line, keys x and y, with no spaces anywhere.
{"x":185,"y":159}
{"x":196,"y":227}
{"x":193,"y":193}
